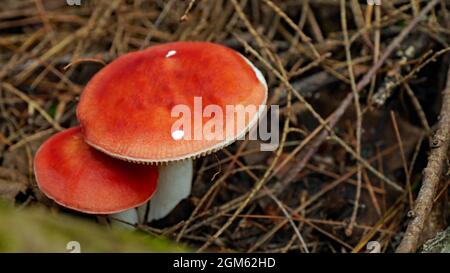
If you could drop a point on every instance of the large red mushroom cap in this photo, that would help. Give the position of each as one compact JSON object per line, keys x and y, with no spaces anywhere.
{"x":79,"y":177}
{"x":125,"y":109}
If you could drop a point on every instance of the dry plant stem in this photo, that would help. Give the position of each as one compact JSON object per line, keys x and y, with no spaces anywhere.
{"x":315,"y":27}
{"x":301,"y":99}
{"x":45,"y":20}
{"x":418,"y":108}
{"x":442,"y":191}
{"x":303,"y":206}
{"x":289,"y":218}
{"x":402,"y":154}
{"x":288,"y":20}
{"x":11,"y":89}
{"x":253,"y":31}
{"x":82,"y":60}
{"x":79,"y":34}
{"x":388,"y":216}
{"x":416,"y":70}
{"x":416,"y":154}
{"x":216,"y":184}
{"x":279,"y":204}
{"x":31,"y":138}
{"x":339,"y":112}
{"x":359,"y":21}
{"x":301,"y":34}
{"x":302,"y":163}
{"x":431,"y":177}
{"x":298,"y":96}
{"x":301,"y":218}
{"x":38,"y":61}
{"x":158,"y":21}
{"x":377,"y":45}
{"x":415,"y":7}
{"x":235,"y":203}
{"x":188,"y":9}
{"x":372,"y":195}
{"x":349,"y":229}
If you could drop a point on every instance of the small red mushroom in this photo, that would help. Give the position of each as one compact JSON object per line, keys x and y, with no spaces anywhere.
{"x":125,"y":110}
{"x":81,"y":178}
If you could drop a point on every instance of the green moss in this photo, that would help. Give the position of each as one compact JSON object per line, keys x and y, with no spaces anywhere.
{"x":439,"y":244}
{"x":36,"y":230}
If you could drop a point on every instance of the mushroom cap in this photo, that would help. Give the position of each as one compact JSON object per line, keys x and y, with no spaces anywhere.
{"x":125,"y":109}
{"x":79,"y":177}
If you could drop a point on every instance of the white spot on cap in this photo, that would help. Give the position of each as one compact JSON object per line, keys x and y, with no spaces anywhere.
{"x":171,"y":53}
{"x":177,"y":134}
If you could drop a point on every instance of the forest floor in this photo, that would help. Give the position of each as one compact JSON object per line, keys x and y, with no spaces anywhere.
{"x":347,"y":171}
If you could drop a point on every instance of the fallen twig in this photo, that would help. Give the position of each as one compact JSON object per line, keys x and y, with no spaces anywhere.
{"x":431,"y":177}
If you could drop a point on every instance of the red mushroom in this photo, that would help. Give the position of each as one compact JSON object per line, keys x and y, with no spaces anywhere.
{"x":126,"y":109}
{"x":81,"y":178}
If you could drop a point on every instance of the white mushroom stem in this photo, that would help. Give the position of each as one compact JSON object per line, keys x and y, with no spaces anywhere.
{"x":174,"y":185}
{"x":127,"y":218}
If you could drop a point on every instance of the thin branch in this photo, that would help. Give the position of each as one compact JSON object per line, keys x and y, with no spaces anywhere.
{"x":431,"y":177}
{"x":349,"y":229}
